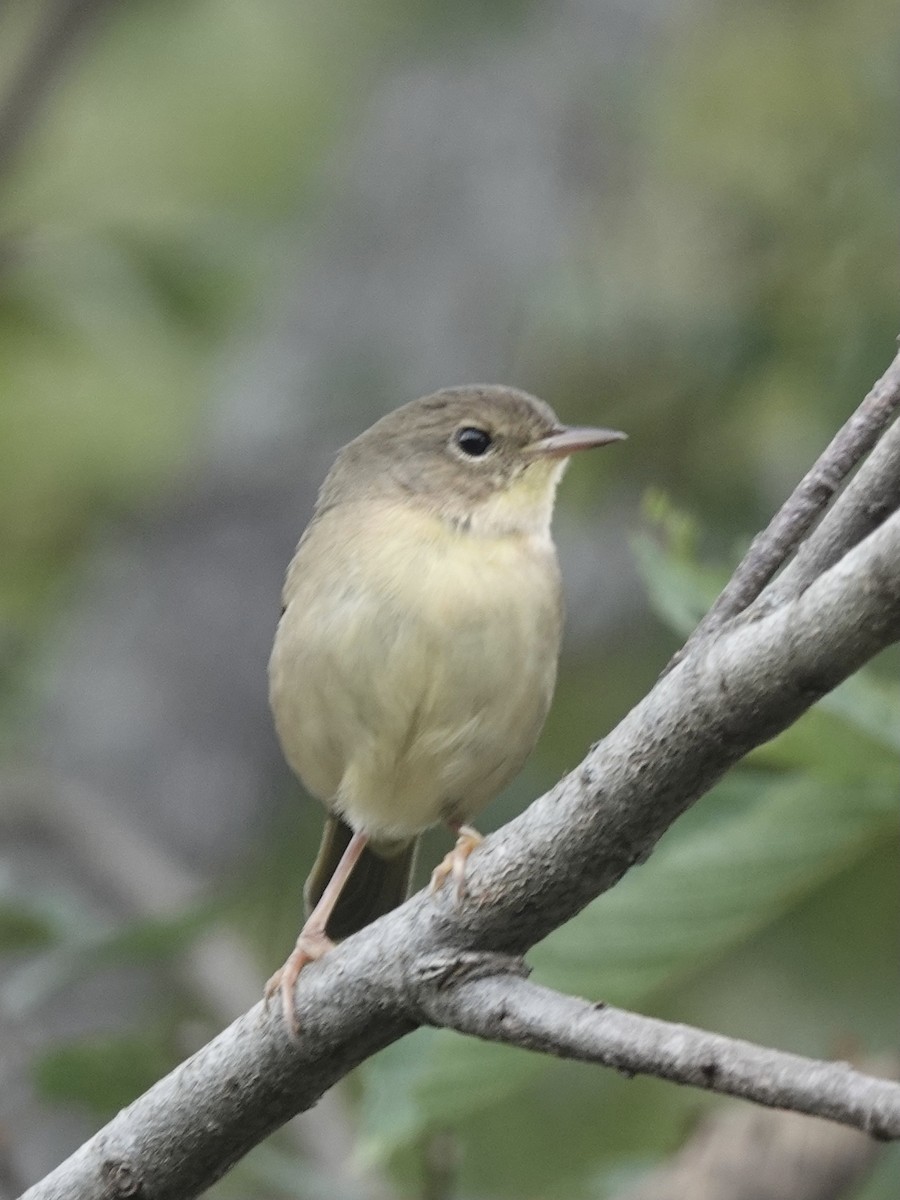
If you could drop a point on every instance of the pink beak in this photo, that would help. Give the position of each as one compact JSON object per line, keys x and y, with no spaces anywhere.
{"x":564,"y":442}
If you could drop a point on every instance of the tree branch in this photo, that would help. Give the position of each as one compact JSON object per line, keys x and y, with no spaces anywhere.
{"x":510,"y":1009}
{"x":770,"y":549}
{"x":730,"y":695}
{"x":871,"y":495}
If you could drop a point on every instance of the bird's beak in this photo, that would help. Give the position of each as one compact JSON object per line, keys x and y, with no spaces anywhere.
{"x":563,"y":442}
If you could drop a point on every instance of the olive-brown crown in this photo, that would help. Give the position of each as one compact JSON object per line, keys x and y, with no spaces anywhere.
{"x":451,"y":450}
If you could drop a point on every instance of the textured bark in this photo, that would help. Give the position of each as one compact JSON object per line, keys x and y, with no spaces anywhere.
{"x":872,"y":495}
{"x":770,"y":549}
{"x":510,"y":1009}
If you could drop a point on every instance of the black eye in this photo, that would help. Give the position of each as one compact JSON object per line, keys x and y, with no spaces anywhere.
{"x":472,"y":441}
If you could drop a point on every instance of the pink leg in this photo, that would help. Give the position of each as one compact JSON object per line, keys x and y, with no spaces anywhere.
{"x":454,"y":863}
{"x":312,"y":942}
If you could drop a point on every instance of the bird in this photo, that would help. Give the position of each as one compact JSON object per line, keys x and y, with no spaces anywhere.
{"x":416,"y":654}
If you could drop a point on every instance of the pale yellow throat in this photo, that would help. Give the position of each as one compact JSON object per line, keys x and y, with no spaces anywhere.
{"x":523,"y":507}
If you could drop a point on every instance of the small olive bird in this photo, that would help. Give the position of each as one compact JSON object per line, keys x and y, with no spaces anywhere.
{"x":416,"y":655}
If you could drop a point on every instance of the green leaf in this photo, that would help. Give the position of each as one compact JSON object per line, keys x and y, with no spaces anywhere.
{"x":709,"y":889}
{"x":847,"y":737}
{"x":827,"y":740}
{"x":431,"y":1080}
{"x":680,"y":588}
{"x":680,"y":592}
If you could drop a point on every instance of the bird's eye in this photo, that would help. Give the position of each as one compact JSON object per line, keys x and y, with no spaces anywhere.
{"x":473,"y":442}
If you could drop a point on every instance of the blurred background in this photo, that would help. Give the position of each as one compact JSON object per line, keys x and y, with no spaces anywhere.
{"x":231,"y":236}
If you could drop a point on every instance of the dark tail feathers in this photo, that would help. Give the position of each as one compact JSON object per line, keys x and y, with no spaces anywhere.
{"x":379,"y":881}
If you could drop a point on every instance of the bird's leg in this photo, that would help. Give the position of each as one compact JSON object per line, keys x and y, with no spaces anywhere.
{"x":312,"y":941}
{"x":454,"y":863}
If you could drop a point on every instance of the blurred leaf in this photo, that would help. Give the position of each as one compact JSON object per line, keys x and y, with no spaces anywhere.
{"x":827,"y":748}
{"x":22,"y":928}
{"x":423,"y":1082}
{"x":881,"y":1184}
{"x":869,"y":705}
{"x":826,"y":740}
{"x":572,"y":1118}
{"x":155,"y":938}
{"x":822,"y":979}
{"x":710,"y":889}
{"x":103,"y":1074}
{"x":679,"y":587}
{"x":63,"y":914}
{"x":75,"y":954}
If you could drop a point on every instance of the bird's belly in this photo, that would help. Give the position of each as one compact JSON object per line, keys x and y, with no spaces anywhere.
{"x":404,"y":707}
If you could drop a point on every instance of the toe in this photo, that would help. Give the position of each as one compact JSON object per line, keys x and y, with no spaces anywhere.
{"x":311,"y":945}
{"x":454,"y":863}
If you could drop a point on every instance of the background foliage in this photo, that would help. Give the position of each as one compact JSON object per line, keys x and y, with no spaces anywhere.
{"x":724,"y":288}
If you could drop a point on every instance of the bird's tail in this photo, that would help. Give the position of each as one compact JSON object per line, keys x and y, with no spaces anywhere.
{"x":379,"y":881}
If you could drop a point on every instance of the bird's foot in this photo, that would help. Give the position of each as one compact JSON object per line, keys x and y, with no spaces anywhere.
{"x":454,"y":863}
{"x":311,"y":945}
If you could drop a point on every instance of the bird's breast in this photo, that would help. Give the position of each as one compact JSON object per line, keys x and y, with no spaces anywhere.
{"x":413,"y":665}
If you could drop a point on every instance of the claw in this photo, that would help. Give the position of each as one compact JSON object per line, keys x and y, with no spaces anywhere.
{"x":454,"y":863}
{"x":311,"y":945}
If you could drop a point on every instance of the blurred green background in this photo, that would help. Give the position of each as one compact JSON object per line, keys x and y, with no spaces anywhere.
{"x":233,"y":234}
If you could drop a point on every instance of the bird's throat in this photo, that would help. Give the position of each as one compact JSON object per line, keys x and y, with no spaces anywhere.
{"x":521,"y":508}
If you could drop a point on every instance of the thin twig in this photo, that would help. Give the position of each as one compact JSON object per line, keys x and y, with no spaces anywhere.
{"x":512,"y":1010}
{"x":871,"y":495}
{"x":770,"y":549}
